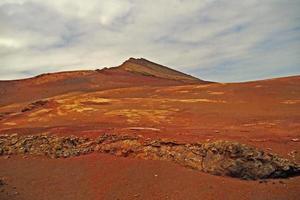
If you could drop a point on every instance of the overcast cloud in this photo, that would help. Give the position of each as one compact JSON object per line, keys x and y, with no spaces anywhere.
{"x":215,"y":40}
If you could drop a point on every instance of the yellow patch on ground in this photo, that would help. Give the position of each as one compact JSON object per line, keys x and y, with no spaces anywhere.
{"x":143,"y":128}
{"x":174,"y":109}
{"x":75,"y":108}
{"x":36,"y":113}
{"x":202,"y":86}
{"x":10,"y":123}
{"x":174,"y":88}
{"x":61,"y":101}
{"x":70,"y":106}
{"x":267,"y":124}
{"x":183,"y":91}
{"x":83,"y":109}
{"x":200,"y":100}
{"x":97,"y":100}
{"x":60,"y":112}
{"x":258,"y":86}
{"x":215,"y":93}
{"x":295,"y":101}
{"x":135,"y":115}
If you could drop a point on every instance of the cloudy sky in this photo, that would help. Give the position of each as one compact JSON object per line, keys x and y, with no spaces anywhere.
{"x":217,"y":40}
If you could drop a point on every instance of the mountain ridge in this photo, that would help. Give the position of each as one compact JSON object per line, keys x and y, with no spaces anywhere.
{"x":139,"y":66}
{"x":149,"y":68}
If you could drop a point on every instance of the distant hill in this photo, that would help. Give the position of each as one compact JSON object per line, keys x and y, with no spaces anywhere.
{"x":133,"y":72}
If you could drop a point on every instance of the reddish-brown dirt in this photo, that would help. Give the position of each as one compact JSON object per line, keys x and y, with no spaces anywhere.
{"x":100,"y":176}
{"x":143,"y":101}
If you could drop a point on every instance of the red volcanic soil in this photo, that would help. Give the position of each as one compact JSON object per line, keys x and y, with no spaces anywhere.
{"x":100,"y":176}
{"x":145,"y":99}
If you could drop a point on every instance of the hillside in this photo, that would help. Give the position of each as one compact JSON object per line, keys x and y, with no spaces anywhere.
{"x":144,"y":131}
{"x":131,"y":73}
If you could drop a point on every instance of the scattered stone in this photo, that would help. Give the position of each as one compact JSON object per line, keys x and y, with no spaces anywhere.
{"x":295,"y":140}
{"x":263,"y":181}
{"x":293,"y":153}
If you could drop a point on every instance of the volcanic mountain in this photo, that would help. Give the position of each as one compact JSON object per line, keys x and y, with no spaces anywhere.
{"x":148,"y":68}
{"x":132,"y":72}
{"x":144,"y":131}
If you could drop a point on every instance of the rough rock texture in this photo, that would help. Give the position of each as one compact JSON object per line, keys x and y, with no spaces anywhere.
{"x":218,"y":158}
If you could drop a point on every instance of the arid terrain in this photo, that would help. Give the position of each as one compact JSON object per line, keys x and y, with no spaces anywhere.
{"x":144,"y":131}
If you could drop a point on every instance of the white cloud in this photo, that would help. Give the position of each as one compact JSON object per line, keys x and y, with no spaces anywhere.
{"x":9,"y":43}
{"x":105,"y":12}
{"x":214,"y":39}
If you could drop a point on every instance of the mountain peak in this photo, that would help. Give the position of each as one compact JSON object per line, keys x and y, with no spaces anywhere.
{"x":138,"y":60}
{"x":149,"y":68}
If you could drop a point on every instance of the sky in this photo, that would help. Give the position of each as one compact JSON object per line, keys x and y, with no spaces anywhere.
{"x":217,"y":40}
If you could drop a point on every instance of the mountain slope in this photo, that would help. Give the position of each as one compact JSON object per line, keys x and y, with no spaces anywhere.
{"x":148,"y":68}
{"x":131,"y":73}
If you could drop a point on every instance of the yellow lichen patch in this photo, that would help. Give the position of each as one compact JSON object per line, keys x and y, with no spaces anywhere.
{"x":37,"y":119}
{"x":11,"y":107}
{"x":60,"y":112}
{"x":97,"y":100}
{"x":202,"y":86}
{"x":10,"y":123}
{"x":70,"y":106}
{"x":36,"y":113}
{"x":135,"y":115}
{"x":295,"y":101}
{"x":215,"y":93}
{"x":200,"y":100}
{"x":143,"y":128}
{"x":83,"y":109}
{"x":174,"y":89}
{"x":76,"y":108}
{"x":174,"y":109}
{"x":262,"y":123}
{"x":61,"y":101}
{"x":183,"y":91}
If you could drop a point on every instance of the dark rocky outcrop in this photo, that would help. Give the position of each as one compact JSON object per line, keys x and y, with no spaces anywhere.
{"x":219,"y":158}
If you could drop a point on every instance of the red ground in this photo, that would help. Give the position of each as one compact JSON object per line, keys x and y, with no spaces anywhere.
{"x":100,"y":176}
{"x":265,"y":114}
